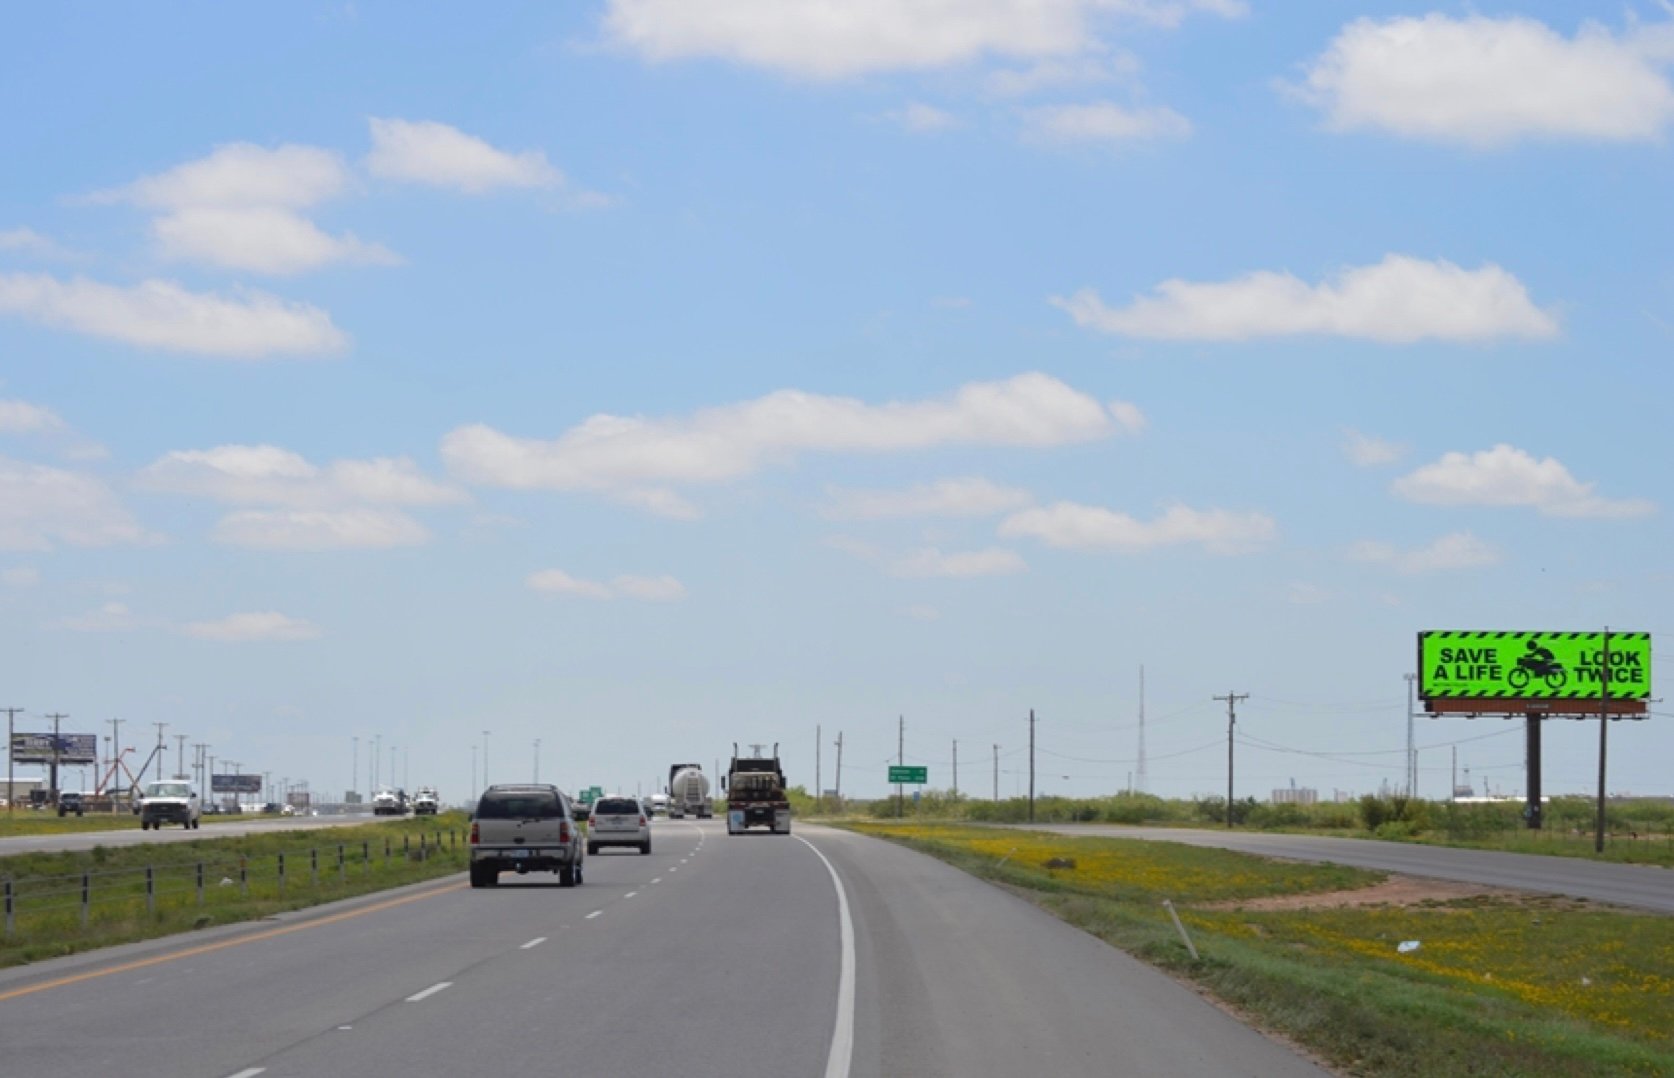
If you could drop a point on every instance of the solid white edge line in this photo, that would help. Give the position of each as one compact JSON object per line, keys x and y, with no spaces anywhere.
{"x":842,"y":1032}
{"x":594,"y":914}
{"x":428,"y":992}
{"x":536,"y":942}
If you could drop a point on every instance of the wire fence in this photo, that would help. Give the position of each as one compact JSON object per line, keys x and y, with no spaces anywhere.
{"x":91,"y":900}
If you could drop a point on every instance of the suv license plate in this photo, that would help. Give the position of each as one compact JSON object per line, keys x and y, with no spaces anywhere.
{"x":517,"y":853}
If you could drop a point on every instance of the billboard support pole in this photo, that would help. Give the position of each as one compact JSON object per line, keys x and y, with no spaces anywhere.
{"x":1531,"y":806}
{"x":11,"y":783}
{"x":1603,"y":733}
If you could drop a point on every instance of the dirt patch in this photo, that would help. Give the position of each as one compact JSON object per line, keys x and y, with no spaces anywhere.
{"x":1394,"y":891}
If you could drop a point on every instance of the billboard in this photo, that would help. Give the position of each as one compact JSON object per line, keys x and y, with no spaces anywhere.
{"x":235,"y":784}
{"x":1532,"y":665}
{"x":72,"y":748}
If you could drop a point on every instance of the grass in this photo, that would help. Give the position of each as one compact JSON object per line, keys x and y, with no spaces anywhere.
{"x":1496,"y":988}
{"x":240,"y":875}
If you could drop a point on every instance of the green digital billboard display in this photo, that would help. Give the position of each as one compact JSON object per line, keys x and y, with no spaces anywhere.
{"x":1532,"y":665}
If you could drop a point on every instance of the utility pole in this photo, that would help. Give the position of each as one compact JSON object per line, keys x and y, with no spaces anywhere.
{"x":537,"y":759}
{"x":11,"y":784}
{"x":1031,"y":765}
{"x":1142,"y":775}
{"x":1231,"y":699}
{"x":1412,"y":751}
{"x":900,"y":761}
{"x":819,"y":790}
{"x":956,"y":769}
{"x":354,"y":768}
{"x":996,"y":772}
{"x":485,"y":759}
{"x":180,"y":756}
{"x":1603,"y":728}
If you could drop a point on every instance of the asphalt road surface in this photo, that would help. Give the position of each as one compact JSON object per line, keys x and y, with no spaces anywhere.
{"x":1644,"y":886}
{"x":221,"y":828}
{"x":819,"y":954}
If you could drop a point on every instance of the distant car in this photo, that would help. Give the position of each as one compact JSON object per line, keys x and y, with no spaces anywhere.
{"x":619,"y":821}
{"x":69,"y":801}
{"x":170,"y":801}
{"x":212,"y":809}
{"x":525,"y":828}
{"x":426,"y":802}
{"x":583,"y":811}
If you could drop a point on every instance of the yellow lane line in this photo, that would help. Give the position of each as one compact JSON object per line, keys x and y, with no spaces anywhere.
{"x":208,"y":948}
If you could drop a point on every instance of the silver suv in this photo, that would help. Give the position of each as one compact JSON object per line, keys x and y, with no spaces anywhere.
{"x":525,"y":828}
{"x":618,"y":821}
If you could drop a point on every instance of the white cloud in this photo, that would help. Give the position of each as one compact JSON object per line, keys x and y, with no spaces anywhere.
{"x":1102,"y":121}
{"x":162,"y":314}
{"x":664,"y":503}
{"x":320,"y":529}
{"x":660,"y":589}
{"x":252,"y":627}
{"x":921,"y":613}
{"x":21,"y":417}
{"x":270,"y":475}
{"x":434,"y":153}
{"x":1508,"y":476}
{"x":1072,"y":526}
{"x":109,"y":618}
{"x":1459,"y":550}
{"x":930,"y":562}
{"x":823,"y":40}
{"x":20,"y":576}
{"x":618,"y":453}
{"x":41,"y":507}
{"x":1302,"y":593}
{"x":1487,"y":82}
{"x":654,"y":589}
{"x":260,"y":239}
{"x":1398,"y":300}
{"x":922,"y":118}
{"x":1056,"y":74}
{"x":28,"y":241}
{"x":1367,"y":451}
{"x":969,"y":497}
{"x":241,"y":175}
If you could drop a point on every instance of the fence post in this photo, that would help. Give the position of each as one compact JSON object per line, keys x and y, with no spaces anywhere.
{"x":86,"y":895}
{"x":405,"y":847}
{"x":365,"y":859}
{"x":422,"y":850}
{"x":244,"y":876}
{"x":313,"y":866}
{"x":200,"y":883}
{"x":342,"y":870}
{"x":8,"y":905}
{"x":386,"y":851}
{"x":281,"y":873}
{"x":150,"y":891}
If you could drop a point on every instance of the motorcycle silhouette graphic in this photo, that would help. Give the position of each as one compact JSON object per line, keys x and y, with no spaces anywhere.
{"x":1538,"y":663}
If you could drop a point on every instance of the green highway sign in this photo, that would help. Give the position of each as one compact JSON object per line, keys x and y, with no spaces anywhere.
{"x":1532,"y":666}
{"x":909,"y":774}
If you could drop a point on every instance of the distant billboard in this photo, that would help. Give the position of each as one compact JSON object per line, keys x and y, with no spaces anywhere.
{"x":38,"y":748}
{"x":1532,"y":665}
{"x":235,"y":784}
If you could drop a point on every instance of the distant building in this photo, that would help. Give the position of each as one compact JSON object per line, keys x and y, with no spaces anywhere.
{"x":1296,"y":795}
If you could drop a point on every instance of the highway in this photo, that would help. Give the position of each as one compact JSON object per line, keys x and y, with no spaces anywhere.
{"x":1648,"y":887}
{"x":823,"y":954}
{"x":221,"y":828}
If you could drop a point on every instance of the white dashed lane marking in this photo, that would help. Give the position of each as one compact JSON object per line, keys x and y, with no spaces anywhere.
{"x":428,"y":992}
{"x":536,"y":942}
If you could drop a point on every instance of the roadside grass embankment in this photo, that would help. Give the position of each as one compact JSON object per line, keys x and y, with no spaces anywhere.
{"x":1497,"y":986}
{"x":1637,"y":830}
{"x":65,"y":902}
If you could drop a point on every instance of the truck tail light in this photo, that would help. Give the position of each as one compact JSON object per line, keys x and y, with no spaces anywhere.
{"x":476,"y":835}
{"x":564,"y":831}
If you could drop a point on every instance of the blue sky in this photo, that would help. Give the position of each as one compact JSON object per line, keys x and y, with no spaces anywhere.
{"x":649,"y":375}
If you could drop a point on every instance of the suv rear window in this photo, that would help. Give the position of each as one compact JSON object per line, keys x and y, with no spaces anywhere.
{"x":615,"y":806}
{"x":519,"y":805}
